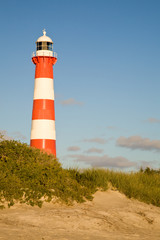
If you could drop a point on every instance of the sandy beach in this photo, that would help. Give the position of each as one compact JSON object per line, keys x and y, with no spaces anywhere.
{"x":110,"y":215}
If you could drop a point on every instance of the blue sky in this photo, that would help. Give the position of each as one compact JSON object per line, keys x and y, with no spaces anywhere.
{"x":107,"y":78}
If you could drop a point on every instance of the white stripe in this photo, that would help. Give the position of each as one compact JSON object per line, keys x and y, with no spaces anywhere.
{"x":43,"y":129}
{"x":43,"y":88}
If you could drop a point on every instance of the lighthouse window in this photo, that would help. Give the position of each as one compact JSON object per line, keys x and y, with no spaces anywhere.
{"x":44,"y":46}
{"x":49,"y":46}
{"x":39,"y":46}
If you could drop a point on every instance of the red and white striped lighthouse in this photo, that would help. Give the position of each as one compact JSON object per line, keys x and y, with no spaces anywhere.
{"x":43,"y":134}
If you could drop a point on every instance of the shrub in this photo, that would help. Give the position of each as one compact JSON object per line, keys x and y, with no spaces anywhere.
{"x":28,"y":175}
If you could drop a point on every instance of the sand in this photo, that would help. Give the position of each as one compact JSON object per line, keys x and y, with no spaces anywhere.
{"x":110,"y":215}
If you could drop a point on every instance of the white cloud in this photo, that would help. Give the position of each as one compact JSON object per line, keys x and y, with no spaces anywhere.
{"x":70,"y":101}
{"x":111,"y":127}
{"x":137,"y":142}
{"x":96,"y":140}
{"x":153,"y":120}
{"x":73,"y":148}
{"x":94,"y":150}
{"x":104,"y":161}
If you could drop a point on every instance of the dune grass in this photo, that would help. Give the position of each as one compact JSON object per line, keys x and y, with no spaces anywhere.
{"x":143,"y":185}
{"x":30,"y":176}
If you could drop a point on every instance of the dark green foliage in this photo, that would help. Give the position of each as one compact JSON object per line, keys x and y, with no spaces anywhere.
{"x":31,"y":176}
{"x":91,"y":178}
{"x":150,"y":171}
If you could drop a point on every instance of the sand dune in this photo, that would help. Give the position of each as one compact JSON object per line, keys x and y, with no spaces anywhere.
{"x":109,"y":216}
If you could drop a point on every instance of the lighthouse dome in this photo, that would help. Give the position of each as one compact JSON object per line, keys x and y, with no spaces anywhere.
{"x":44,"y":38}
{"x":44,"y":45}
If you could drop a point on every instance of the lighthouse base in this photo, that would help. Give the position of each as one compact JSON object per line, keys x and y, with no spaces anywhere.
{"x":48,"y":145}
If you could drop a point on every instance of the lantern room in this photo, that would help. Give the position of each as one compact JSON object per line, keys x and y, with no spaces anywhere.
{"x":44,"y":45}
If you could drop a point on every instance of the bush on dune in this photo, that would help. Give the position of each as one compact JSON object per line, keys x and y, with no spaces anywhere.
{"x":28,"y":175}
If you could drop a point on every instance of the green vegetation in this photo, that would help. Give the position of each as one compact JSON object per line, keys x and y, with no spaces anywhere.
{"x":143,"y":185}
{"x":30,"y":176}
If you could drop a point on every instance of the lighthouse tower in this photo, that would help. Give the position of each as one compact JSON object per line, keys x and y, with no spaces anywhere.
{"x":43,"y":134}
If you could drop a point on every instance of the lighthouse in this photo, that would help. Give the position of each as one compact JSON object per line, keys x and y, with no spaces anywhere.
{"x":43,"y":134}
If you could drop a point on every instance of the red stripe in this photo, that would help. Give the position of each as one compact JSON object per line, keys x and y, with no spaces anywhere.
{"x":43,"y":109}
{"x":44,"y":66}
{"x":47,"y":145}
